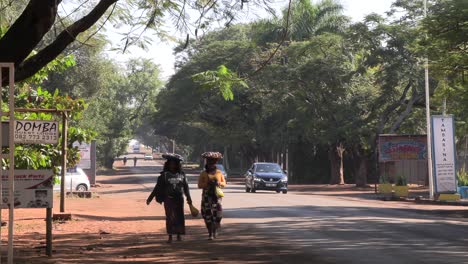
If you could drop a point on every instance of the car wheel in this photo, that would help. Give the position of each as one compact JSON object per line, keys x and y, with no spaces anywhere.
{"x":285,"y":192}
{"x":81,"y":188}
{"x":278,"y":191}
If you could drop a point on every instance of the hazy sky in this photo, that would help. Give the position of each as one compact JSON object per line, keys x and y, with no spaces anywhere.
{"x":161,"y":52}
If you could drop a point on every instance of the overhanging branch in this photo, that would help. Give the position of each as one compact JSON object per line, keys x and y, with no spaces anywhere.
{"x":28,"y":30}
{"x":66,"y":37}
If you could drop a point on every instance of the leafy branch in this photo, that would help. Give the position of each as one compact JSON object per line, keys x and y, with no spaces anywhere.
{"x":222,"y":79}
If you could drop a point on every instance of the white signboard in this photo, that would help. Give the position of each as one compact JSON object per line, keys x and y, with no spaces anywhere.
{"x":85,"y":155}
{"x":33,"y":189}
{"x":444,"y":154}
{"x":36,"y":132}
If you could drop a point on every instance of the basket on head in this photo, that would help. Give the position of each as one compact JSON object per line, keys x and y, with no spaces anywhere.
{"x":172,"y":156}
{"x":212,"y":155}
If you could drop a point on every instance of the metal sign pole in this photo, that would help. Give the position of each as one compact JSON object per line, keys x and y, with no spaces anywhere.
{"x":428,"y":121}
{"x":11,"y":174}
{"x":64,"y":162}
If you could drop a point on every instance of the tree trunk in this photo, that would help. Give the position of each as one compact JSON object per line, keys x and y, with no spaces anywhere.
{"x":340,"y":150}
{"x":109,"y":162}
{"x":335,"y":157}
{"x":360,"y":166}
{"x":361,"y":178}
{"x":29,"y":29}
{"x":226,"y":158}
{"x":334,"y":167}
{"x":361,"y":172}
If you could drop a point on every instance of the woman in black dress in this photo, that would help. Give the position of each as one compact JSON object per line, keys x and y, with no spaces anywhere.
{"x":170,"y":189}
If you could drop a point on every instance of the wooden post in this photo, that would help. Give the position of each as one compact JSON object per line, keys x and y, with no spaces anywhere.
{"x":11,"y":166}
{"x":49,"y":232}
{"x":64,"y":161}
{"x":92,"y":175}
{"x":1,"y":169}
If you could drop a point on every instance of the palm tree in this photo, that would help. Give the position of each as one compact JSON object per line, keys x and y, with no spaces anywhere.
{"x":307,"y":19}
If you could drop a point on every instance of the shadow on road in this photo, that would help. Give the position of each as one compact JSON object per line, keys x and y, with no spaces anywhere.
{"x":372,"y":239}
{"x":340,"y":211}
{"x":235,"y":246}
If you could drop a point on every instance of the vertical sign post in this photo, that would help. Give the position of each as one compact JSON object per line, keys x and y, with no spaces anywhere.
{"x":11,"y":168}
{"x":443,"y":139}
{"x":428,"y":120}
{"x":64,"y":161}
{"x":93,"y":162}
{"x":11,"y":156}
{"x":1,"y":167}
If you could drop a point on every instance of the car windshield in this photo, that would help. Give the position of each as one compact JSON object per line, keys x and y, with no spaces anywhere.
{"x":220,"y":167}
{"x":275,"y":168}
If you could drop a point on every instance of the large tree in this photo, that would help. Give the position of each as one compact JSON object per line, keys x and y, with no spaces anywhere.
{"x":22,"y":36}
{"x":123,"y":101}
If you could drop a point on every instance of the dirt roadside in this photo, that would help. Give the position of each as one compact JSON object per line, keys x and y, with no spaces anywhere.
{"x":116,"y":227}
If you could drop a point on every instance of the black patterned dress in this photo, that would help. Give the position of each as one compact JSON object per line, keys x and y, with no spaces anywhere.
{"x":174,"y":186}
{"x":211,"y":208}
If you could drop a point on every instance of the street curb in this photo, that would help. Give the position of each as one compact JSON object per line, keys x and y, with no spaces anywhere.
{"x":419,"y":200}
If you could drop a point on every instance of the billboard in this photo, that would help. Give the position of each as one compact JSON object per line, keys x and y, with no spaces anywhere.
{"x":402,"y":147}
{"x":443,"y":161}
{"x":33,"y":189}
{"x":36,"y":132}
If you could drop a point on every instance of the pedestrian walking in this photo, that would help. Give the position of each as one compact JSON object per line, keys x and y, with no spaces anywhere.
{"x":211,"y":180}
{"x":170,"y":189}
{"x":125,"y":161}
{"x":134,"y":161}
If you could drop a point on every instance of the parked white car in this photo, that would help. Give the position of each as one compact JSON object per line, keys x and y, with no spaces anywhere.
{"x":75,"y":180}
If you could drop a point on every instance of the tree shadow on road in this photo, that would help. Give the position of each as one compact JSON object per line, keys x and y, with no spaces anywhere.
{"x":233,"y":247}
{"x":304,"y":234}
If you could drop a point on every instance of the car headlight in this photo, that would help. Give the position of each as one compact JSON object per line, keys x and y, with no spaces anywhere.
{"x":257,"y":179}
{"x":284,"y":179}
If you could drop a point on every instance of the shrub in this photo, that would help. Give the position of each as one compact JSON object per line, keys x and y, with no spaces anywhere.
{"x":462,"y":177}
{"x":401,"y":180}
{"x":384,"y":179}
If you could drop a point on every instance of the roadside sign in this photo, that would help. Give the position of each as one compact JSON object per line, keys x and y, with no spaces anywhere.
{"x":402,"y":147}
{"x":33,"y":189}
{"x":36,"y":132}
{"x":443,"y":162}
{"x":85,"y":155}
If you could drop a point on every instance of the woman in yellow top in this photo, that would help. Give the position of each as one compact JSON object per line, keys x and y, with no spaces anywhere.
{"x":210,"y":179}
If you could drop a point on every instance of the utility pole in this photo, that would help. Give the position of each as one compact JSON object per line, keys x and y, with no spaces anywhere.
{"x":428,"y":121}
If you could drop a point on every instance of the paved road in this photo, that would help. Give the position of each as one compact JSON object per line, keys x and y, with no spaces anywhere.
{"x":266,"y":227}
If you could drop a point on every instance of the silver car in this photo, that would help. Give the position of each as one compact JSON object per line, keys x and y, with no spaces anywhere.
{"x":75,"y":180}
